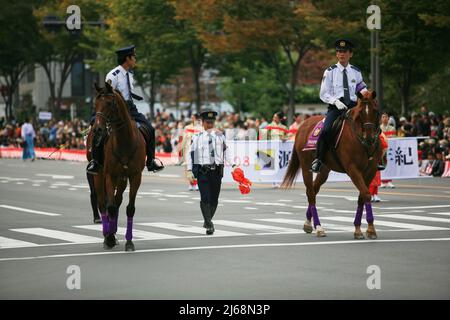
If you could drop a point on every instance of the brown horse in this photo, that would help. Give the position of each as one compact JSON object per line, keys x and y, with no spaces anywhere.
{"x":124,"y":160}
{"x":357,"y":154}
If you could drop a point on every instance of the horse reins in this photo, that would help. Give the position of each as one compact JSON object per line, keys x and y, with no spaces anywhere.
{"x":115,"y":125}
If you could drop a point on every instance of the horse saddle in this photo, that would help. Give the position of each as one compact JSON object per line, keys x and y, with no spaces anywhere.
{"x":144,"y":131}
{"x":335,"y":134}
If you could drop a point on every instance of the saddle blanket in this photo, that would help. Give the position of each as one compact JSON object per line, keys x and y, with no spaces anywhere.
{"x":314,"y":136}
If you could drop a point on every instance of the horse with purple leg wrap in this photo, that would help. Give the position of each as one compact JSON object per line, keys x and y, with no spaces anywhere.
{"x":357,"y":154}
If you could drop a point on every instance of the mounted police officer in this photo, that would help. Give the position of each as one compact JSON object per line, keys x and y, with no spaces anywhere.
{"x":208,"y":153}
{"x":340,"y":84}
{"x":121,"y":79}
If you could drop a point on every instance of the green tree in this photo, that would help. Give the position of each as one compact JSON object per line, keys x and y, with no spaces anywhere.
{"x":17,"y":47}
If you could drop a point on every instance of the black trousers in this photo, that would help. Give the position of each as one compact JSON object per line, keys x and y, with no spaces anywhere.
{"x":209,"y":183}
{"x":323,"y":143}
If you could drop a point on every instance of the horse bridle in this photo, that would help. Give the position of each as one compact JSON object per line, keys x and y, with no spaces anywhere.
{"x":367,"y":143}
{"x":109,"y":121}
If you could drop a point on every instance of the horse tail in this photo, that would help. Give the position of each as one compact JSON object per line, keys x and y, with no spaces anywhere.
{"x":292,"y":170}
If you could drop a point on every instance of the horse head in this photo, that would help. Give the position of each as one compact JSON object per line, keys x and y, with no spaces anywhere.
{"x":367,"y":115}
{"x":105,"y":106}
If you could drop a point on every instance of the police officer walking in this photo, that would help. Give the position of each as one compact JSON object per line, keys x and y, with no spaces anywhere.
{"x":340,"y":84}
{"x":121,"y":79}
{"x":208,"y":153}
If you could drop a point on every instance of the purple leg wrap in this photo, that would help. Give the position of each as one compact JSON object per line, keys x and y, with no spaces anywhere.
{"x":129,"y":233}
{"x":315,"y":216}
{"x":308,"y":213}
{"x":369,"y":213}
{"x":113,"y":225}
{"x":358,"y":216}
{"x":105,"y":223}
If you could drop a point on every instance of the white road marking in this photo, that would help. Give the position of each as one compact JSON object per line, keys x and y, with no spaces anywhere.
{"x":300,"y":223}
{"x":349,"y":198}
{"x":419,"y":207}
{"x":29,"y":210}
{"x":54,"y":176}
{"x":253,"y":245}
{"x":19,"y":182}
{"x":5,"y":181}
{"x":56,"y":234}
{"x":250,"y":208}
{"x":187,"y":228}
{"x":418,"y":218}
{"x":440,"y":213}
{"x":136,"y":233}
{"x":236,"y":201}
{"x":13,"y":243}
{"x":253,"y":226}
{"x":168,"y":175}
{"x":188,"y":202}
{"x":36,"y":185}
{"x":157,"y":190}
{"x":270,"y":204}
{"x":14,"y":179}
{"x":285,"y":200}
{"x":72,"y":189}
{"x":388,"y":224}
{"x":53,"y":187}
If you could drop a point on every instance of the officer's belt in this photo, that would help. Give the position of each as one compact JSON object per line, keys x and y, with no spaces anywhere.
{"x":210,"y":167}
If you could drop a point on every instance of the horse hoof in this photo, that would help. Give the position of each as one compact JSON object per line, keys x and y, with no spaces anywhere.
{"x":110,"y":241}
{"x":97,"y":220}
{"x":371,"y":235}
{"x":358,"y":236}
{"x":307,"y":228}
{"x":129,"y":246}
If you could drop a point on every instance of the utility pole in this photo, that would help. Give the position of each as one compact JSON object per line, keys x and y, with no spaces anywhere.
{"x":374,"y":25}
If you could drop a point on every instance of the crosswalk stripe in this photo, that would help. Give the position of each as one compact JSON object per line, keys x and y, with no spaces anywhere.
{"x":388,"y":224}
{"x":440,"y":213}
{"x":136,"y":233}
{"x":56,"y":234}
{"x":13,"y":243}
{"x":300,"y":223}
{"x":418,"y":218}
{"x":29,"y":210}
{"x":253,"y":226}
{"x":187,"y":228}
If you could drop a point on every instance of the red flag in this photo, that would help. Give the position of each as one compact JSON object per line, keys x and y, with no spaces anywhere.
{"x":244,"y":183}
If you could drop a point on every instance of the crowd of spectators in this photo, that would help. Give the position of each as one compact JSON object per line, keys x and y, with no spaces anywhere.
{"x":433,"y":150}
{"x":49,"y":134}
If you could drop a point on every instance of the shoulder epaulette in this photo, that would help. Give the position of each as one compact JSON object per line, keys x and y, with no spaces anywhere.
{"x":116,"y":72}
{"x":356,"y":68}
{"x":332,"y":67}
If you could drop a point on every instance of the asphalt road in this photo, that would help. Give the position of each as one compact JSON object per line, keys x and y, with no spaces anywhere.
{"x":49,"y":245}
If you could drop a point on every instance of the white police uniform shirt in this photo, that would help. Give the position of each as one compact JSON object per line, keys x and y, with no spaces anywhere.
{"x":202,"y":149}
{"x":118,"y":77}
{"x":332,"y":87}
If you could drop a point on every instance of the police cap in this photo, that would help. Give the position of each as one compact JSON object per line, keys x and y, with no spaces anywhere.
{"x":208,"y":115}
{"x":343,"y":44}
{"x":123,"y":52}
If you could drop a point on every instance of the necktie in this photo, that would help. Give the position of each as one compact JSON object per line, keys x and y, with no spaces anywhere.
{"x":129,"y":86}
{"x":212,"y":156}
{"x":346,"y":91}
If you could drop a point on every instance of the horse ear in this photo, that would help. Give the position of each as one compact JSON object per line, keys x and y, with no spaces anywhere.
{"x":97,"y":88}
{"x":359,"y":95}
{"x":374,"y":94}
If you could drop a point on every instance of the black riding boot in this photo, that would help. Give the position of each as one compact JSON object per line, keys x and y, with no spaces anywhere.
{"x":320,"y":151}
{"x":97,"y":154}
{"x":382,"y":165}
{"x":151,"y":163}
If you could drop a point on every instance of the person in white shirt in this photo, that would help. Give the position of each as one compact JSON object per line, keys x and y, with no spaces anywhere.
{"x":28,"y":135}
{"x":121,"y":79}
{"x":340,"y":84}
{"x":208,"y":154}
